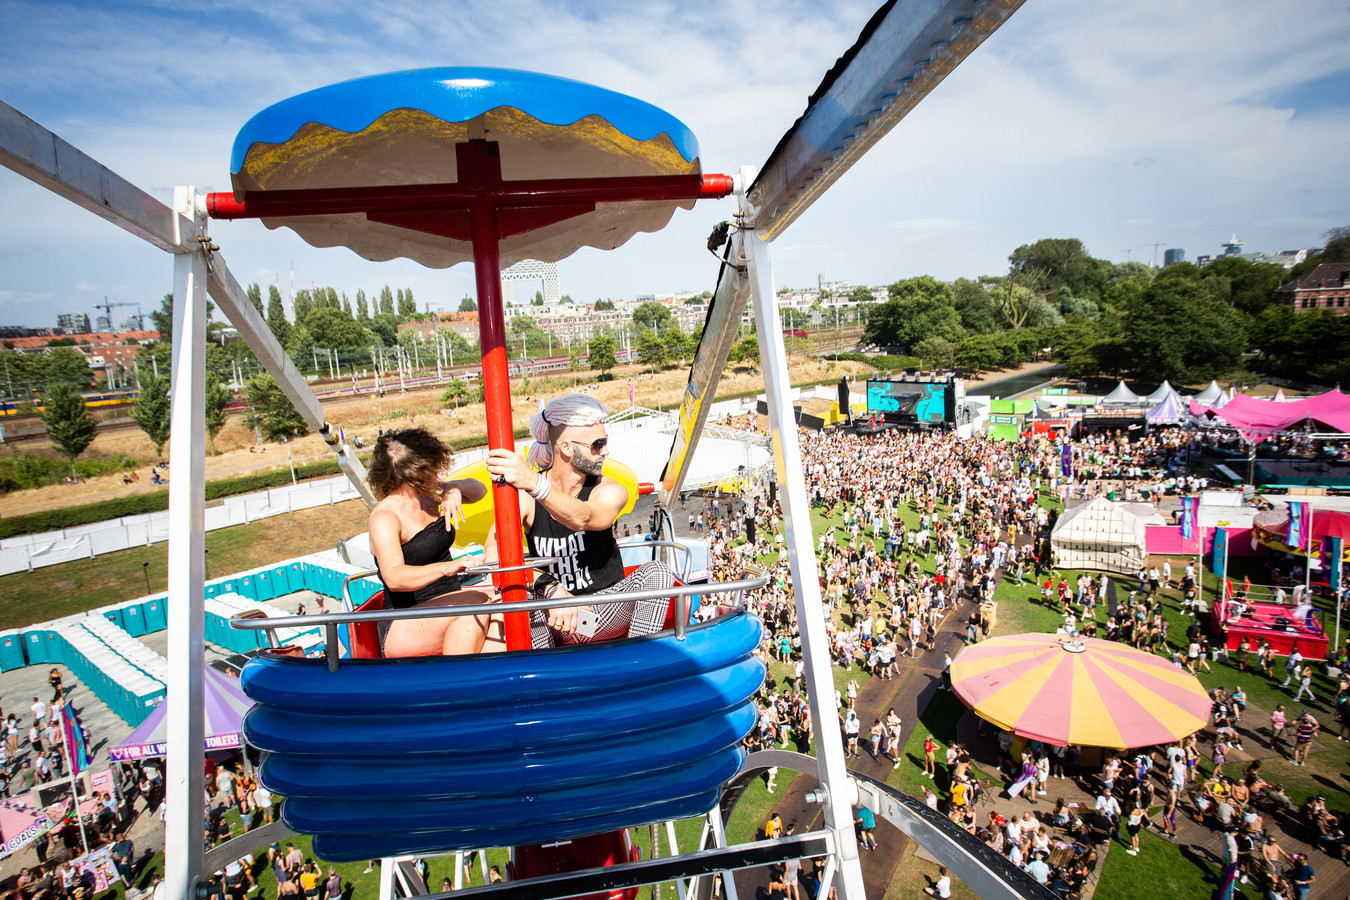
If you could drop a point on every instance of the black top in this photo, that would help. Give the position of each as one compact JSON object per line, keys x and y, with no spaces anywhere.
{"x":590,"y":559}
{"x":428,"y":546}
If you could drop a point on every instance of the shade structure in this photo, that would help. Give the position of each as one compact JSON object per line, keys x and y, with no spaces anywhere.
{"x":1090,"y":692}
{"x":225,"y":708}
{"x":1122,"y":394}
{"x":1257,"y":419}
{"x":396,"y":135}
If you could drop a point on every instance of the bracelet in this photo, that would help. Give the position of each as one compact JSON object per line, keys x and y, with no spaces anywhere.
{"x":541,"y":487}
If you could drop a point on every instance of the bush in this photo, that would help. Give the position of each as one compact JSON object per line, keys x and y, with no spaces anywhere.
{"x":886,"y":361}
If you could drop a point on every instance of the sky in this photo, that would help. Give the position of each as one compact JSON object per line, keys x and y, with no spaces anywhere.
{"x":1123,"y":124}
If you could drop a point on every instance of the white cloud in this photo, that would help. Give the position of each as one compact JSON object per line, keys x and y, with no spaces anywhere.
{"x":1117,"y":123}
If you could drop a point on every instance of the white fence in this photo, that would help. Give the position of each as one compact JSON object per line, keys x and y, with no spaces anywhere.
{"x":33,"y":551}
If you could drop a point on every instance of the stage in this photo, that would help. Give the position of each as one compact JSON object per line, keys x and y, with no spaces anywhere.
{"x":1273,"y":623}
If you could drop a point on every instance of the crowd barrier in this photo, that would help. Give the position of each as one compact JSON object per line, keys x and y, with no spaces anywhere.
{"x":32,"y":551}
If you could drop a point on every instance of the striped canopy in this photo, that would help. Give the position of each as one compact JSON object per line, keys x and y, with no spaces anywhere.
{"x":225,"y":708}
{"x":1090,"y":692}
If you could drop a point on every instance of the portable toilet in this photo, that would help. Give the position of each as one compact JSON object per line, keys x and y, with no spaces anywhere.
{"x":132,"y":621}
{"x":155,"y":616}
{"x":246,"y":586}
{"x":264,"y":585}
{"x":295,"y":577}
{"x":35,"y":647}
{"x":113,"y":614}
{"x":11,"y":651}
{"x":56,"y":647}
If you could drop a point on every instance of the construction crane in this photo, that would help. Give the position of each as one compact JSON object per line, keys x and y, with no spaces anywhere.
{"x":107,"y":307}
{"x":1155,"y":245}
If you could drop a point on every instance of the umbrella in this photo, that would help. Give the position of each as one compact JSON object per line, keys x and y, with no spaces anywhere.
{"x":1090,"y":692}
{"x":225,"y":708}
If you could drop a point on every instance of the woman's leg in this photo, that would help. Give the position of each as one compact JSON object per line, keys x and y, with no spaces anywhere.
{"x":446,"y":636}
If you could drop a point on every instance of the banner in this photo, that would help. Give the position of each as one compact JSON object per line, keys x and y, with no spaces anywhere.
{"x":1335,"y":558}
{"x":1188,"y":505}
{"x":76,"y":750}
{"x":1220,"y":562}
{"x":1066,"y":461}
{"x":1299,"y":526}
{"x":99,"y":864}
{"x":22,"y":821}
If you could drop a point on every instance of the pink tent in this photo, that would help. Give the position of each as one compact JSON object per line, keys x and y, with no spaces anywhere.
{"x":1257,"y":419}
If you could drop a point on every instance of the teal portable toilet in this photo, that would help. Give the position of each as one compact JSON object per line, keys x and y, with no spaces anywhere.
{"x":114,"y":616}
{"x":155,"y":616}
{"x":213,"y":588}
{"x":56,"y":647}
{"x":11,"y":652}
{"x":35,"y":647}
{"x":227,"y":586}
{"x":132,"y":621}
{"x":243,"y":586}
{"x":263,"y":585}
{"x":295,"y":577}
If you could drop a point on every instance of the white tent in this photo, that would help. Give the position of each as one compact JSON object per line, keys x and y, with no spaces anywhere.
{"x":1121,"y":394}
{"x":1210,"y":394}
{"x":1280,"y":397}
{"x":1101,"y":536}
{"x":1164,"y":391}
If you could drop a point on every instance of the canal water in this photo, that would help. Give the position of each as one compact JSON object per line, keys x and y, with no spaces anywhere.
{"x":1018,"y":384}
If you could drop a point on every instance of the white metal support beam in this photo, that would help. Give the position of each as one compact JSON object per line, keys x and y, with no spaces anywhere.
{"x":840,"y":790}
{"x":183,"y":848}
{"x":43,"y":157}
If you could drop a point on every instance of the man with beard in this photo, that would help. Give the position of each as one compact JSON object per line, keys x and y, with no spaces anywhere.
{"x":568,"y":506}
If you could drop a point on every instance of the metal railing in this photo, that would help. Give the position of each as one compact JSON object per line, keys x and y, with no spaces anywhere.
{"x":256,"y":620}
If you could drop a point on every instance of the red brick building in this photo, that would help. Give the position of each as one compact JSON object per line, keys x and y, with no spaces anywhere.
{"x":1325,"y":287}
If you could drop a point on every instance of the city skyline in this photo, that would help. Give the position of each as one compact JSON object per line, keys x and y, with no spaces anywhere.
{"x":1123,"y":127}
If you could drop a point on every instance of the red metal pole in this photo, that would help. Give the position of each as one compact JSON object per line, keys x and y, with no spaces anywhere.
{"x":497,"y":395}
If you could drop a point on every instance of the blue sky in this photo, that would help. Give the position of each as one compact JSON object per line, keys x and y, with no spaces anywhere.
{"x":1121,"y":124}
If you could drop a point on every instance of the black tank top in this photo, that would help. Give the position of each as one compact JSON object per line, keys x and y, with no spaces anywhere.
{"x":430,"y":545}
{"x":590,"y":559}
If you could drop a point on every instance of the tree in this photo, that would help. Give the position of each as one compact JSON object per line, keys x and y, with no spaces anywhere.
{"x":522,"y":324}
{"x":151,"y":408}
{"x":538,"y":299}
{"x":456,"y":389}
{"x":1177,"y":330}
{"x":918,"y":308}
{"x":604,"y":306}
{"x":217,"y":398}
{"x":276,"y":316}
{"x":935,"y":352}
{"x":694,"y":301}
{"x":602,"y":354}
{"x":271,"y":411}
{"x":468,"y":304}
{"x":979,"y":352}
{"x":346,"y":305}
{"x":255,"y":297}
{"x":651,"y":349}
{"x":68,"y":423}
{"x":976,"y":306}
{"x":162,"y":318}
{"x":1065,"y":263}
{"x":386,"y":301}
{"x":407,"y":307}
{"x":861,"y":294}
{"x":744,"y":350}
{"x":651,"y":315}
{"x":385,"y":327}
{"x":1337,"y":247}
{"x":330,"y":327}
{"x":793,"y":318}
{"x":66,"y":365}
{"x":301,"y":305}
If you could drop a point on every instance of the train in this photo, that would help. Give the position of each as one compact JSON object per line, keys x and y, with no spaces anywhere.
{"x":10,"y":406}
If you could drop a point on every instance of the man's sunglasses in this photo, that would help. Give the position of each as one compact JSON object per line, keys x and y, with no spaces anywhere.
{"x":596,"y":445}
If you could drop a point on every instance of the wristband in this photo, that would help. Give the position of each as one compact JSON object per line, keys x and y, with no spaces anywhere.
{"x":543,"y":582}
{"x":542,"y":487}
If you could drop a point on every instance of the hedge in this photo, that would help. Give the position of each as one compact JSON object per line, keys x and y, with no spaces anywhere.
{"x":885,"y":361}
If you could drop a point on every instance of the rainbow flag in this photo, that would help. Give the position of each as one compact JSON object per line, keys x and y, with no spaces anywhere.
{"x":1300,"y":526}
{"x":75,"y":746}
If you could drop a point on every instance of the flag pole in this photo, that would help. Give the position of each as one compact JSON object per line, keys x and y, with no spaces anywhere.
{"x":1308,"y":558}
{"x":70,"y":770}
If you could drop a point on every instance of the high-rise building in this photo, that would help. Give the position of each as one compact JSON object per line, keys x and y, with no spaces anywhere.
{"x":73,"y":323}
{"x":1173,"y":255}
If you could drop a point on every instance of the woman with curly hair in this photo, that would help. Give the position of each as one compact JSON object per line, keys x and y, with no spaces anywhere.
{"x":412,"y":528}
